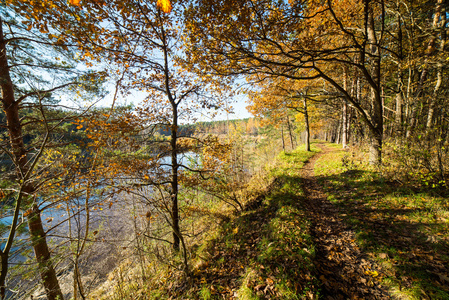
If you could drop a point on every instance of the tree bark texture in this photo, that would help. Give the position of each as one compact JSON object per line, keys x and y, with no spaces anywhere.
{"x":43,"y":257}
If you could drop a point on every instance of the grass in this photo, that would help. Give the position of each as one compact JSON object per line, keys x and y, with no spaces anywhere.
{"x":404,"y":229}
{"x":290,"y":163}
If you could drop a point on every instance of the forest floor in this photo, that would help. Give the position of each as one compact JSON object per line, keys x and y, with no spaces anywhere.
{"x":343,"y":269}
{"x":400,"y":231}
{"x":326,"y":226}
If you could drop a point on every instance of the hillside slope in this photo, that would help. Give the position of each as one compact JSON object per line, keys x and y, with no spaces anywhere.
{"x":319,"y":229}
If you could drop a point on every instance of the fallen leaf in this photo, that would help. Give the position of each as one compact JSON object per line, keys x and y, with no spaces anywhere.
{"x":372,"y":273}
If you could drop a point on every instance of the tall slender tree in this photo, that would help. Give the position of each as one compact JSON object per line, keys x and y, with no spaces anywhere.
{"x":32,"y":68}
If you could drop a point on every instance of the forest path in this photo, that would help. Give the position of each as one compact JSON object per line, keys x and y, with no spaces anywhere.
{"x":344,"y":270}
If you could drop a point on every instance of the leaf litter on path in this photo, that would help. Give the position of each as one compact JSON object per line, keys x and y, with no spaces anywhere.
{"x":344,"y":270}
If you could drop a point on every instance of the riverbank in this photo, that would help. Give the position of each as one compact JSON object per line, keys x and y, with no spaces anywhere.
{"x":110,"y":242}
{"x":314,"y":228}
{"x":264,"y":250}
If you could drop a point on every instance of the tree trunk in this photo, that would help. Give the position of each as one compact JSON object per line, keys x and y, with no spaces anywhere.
{"x":48,"y":274}
{"x":348,"y":125}
{"x":174,"y":151}
{"x":4,"y":257}
{"x":11,"y":109}
{"x":344,"y":123}
{"x":344,"y":111}
{"x":399,"y":119}
{"x":290,"y":133}
{"x":282,"y":138}
{"x":376,"y":130}
{"x":399,"y":103}
{"x":174,"y":182}
{"x":433,"y":99}
{"x":306,"y":121}
{"x":338,"y":132}
{"x":440,"y":12}
{"x":375,"y":150}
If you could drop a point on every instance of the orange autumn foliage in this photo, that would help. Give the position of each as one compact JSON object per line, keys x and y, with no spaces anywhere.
{"x":164,"y":5}
{"x":75,"y":2}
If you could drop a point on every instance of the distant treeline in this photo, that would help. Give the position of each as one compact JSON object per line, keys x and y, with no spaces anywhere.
{"x":70,"y":133}
{"x":248,"y":125}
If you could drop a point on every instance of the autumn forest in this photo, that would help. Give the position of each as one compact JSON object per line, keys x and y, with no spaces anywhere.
{"x":125,"y":176}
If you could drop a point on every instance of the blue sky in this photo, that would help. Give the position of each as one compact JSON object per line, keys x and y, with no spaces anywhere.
{"x":238,"y":103}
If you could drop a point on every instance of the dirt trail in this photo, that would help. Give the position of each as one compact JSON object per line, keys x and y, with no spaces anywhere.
{"x":345,"y":271}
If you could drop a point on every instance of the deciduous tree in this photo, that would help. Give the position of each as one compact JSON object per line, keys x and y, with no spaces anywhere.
{"x":297,"y":40}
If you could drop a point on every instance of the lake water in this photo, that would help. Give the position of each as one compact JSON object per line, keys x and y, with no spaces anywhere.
{"x":110,"y":215}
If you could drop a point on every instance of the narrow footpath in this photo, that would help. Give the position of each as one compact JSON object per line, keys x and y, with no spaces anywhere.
{"x":345,"y":271}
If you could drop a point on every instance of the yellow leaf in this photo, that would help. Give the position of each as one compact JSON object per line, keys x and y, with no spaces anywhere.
{"x":235,"y":230}
{"x":372,"y":273}
{"x":164,"y":5}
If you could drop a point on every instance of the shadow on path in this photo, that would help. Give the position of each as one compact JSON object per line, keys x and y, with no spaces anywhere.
{"x":344,"y":270}
{"x":404,"y":229}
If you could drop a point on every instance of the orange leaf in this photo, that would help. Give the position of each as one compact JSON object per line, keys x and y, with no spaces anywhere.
{"x":75,"y":2}
{"x":164,"y":5}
